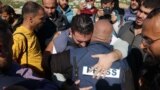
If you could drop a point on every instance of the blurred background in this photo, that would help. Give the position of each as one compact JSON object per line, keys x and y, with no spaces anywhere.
{"x":17,"y":4}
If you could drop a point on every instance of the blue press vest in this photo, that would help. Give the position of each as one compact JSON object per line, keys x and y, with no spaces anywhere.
{"x":83,"y":58}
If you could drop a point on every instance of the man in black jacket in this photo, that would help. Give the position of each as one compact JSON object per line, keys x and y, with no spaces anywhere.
{"x":54,"y":22}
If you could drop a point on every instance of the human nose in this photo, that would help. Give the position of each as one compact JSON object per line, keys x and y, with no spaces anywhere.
{"x":50,"y":10}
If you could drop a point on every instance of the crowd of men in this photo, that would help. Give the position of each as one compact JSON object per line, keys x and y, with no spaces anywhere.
{"x":51,"y":47}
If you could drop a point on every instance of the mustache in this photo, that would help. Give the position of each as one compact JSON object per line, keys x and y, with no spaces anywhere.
{"x":134,"y":4}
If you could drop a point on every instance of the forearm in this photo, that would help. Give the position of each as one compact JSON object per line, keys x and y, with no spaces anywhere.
{"x":116,"y":55}
{"x":49,"y":48}
{"x":120,"y":48}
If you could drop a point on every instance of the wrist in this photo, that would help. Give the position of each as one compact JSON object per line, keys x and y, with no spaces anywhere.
{"x":117,"y":54}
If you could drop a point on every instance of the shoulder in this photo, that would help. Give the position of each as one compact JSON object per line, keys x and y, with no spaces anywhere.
{"x":125,"y":28}
{"x":19,"y":36}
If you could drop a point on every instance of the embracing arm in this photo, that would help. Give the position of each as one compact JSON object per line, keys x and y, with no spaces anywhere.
{"x":50,"y":48}
{"x":105,"y":60}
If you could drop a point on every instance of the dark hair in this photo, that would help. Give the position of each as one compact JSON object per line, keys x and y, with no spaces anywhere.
{"x":150,"y":77}
{"x":82,"y":23}
{"x":6,"y":40}
{"x":3,"y":26}
{"x":16,"y":87}
{"x":106,"y":1}
{"x":31,"y":7}
{"x":8,"y":9}
{"x":153,"y":13}
{"x":151,"y":3}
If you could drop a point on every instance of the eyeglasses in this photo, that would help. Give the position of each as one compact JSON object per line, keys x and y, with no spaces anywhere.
{"x":147,"y":41}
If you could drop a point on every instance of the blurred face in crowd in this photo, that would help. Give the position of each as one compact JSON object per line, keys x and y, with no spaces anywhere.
{"x":38,"y":19}
{"x":5,"y":16}
{"x":49,"y":6}
{"x":151,"y":37}
{"x":90,"y":2}
{"x":63,"y":3}
{"x":134,"y":4}
{"x":142,"y":14}
{"x":81,"y":39}
{"x":108,"y":5}
{"x":5,"y":49}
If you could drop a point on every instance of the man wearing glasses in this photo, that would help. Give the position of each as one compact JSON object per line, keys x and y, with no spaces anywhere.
{"x":151,"y":46}
{"x":151,"y":35}
{"x":131,"y":32}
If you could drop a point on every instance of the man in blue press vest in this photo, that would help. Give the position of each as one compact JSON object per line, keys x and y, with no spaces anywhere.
{"x":118,"y":77}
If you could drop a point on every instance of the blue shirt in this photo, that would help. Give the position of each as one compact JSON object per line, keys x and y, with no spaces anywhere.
{"x":68,"y":13}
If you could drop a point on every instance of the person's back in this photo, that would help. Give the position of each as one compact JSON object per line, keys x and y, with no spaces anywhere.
{"x":115,"y":78}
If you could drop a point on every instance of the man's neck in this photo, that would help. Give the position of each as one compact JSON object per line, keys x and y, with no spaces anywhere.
{"x":26,"y":25}
{"x":138,"y":29}
{"x":134,"y":11}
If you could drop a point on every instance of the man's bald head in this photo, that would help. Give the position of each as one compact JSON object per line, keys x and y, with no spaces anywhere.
{"x":151,"y":34}
{"x":49,"y":1}
{"x":49,"y":6}
{"x":102,"y":31}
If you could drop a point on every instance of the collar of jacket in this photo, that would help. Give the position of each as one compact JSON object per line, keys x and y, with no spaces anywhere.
{"x":101,"y":43}
{"x":60,"y":10}
{"x":132,"y":11}
{"x":131,"y":28}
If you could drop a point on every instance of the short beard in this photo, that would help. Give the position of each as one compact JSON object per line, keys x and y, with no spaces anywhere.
{"x":151,"y":60}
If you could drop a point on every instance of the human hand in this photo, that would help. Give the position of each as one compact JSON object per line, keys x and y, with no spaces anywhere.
{"x":104,"y":63}
{"x":113,"y":17}
{"x":84,"y":88}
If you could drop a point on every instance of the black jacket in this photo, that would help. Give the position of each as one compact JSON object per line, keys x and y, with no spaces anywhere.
{"x":56,"y":22}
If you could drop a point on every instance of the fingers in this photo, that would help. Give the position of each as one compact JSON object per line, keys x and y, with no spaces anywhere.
{"x":86,"y":88}
{"x":98,"y":71}
{"x":95,"y":56}
{"x":93,"y":68}
{"x":103,"y":73}
{"x":77,"y":82}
